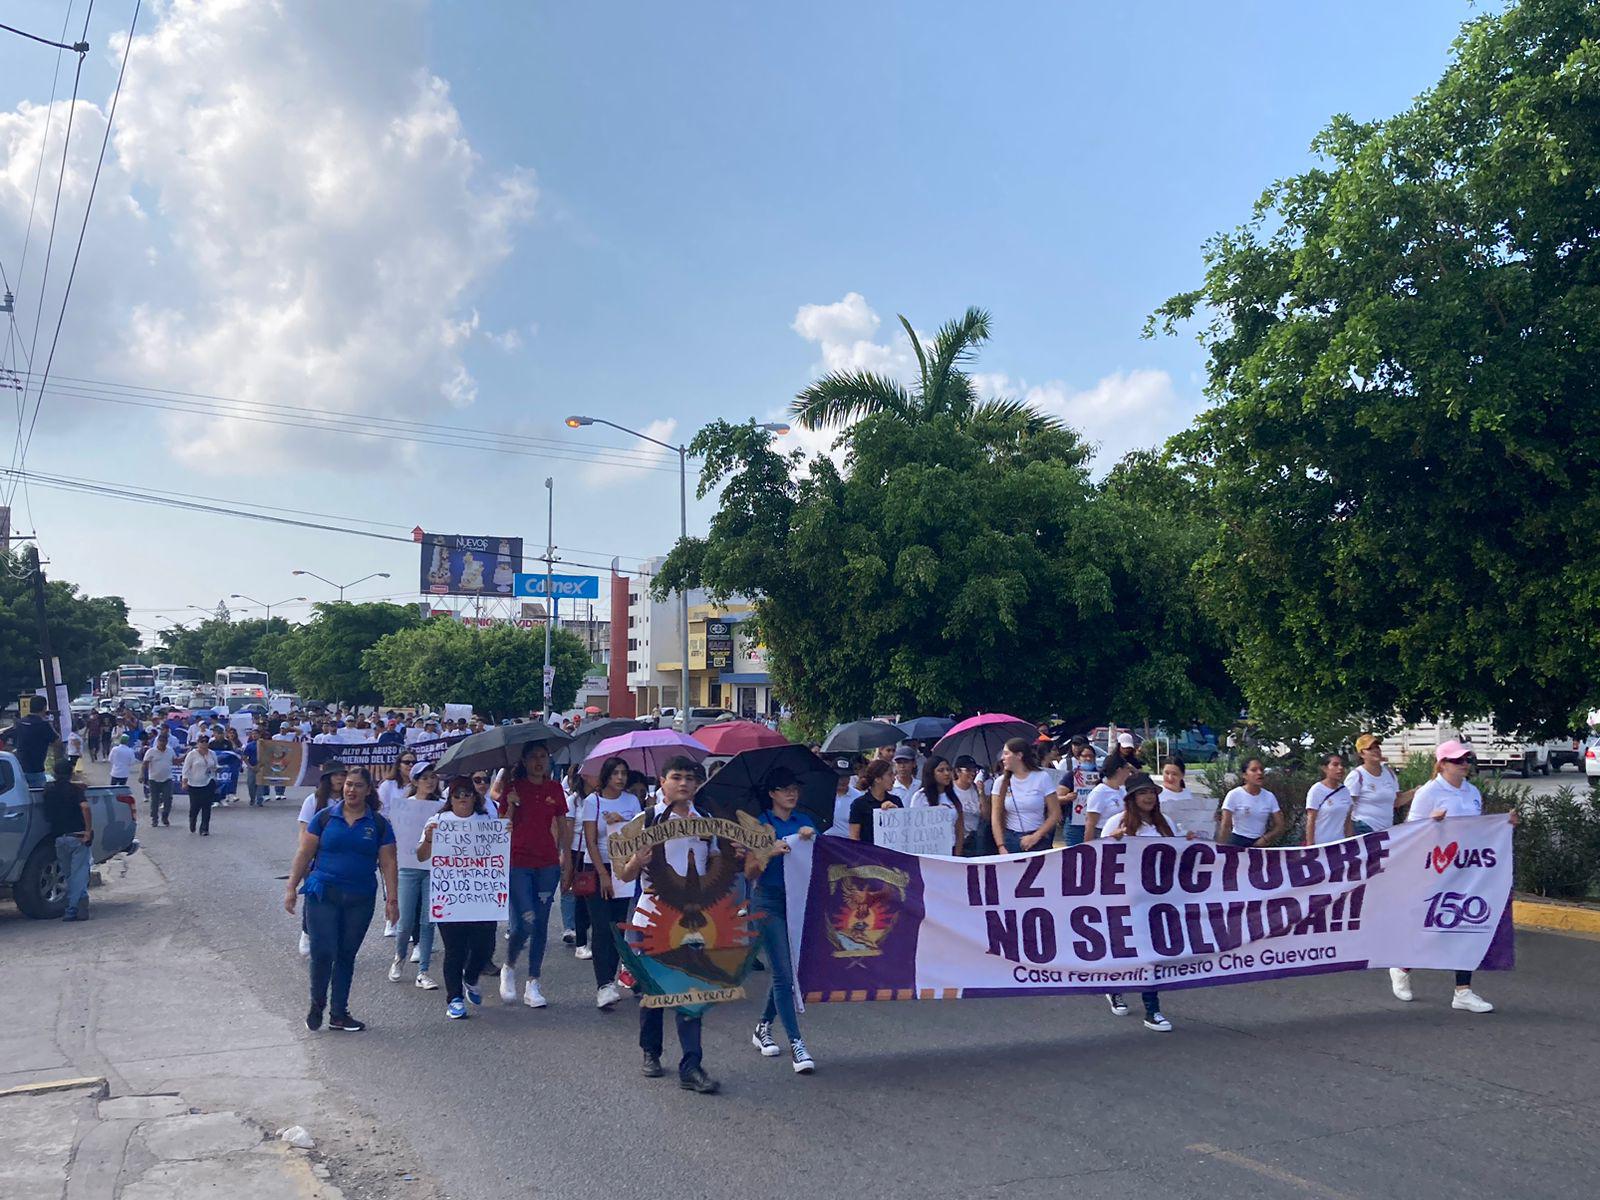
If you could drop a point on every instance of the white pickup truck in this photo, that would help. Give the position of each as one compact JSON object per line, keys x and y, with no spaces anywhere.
{"x":28,"y":866}
{"x":1493,"y":751}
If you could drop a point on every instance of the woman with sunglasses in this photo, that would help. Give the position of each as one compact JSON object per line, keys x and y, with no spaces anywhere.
{"x":350,"y":845}
{"x":1448,"y":794}
{"x":410,"y":811}
{"x":604,"y":812}
{"x":1374,"y":791}
{"x":468,"y":945}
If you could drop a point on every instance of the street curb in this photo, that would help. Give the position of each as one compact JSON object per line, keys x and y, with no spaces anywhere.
{"x":57,"y":1085}
{"x":1562,"y":918}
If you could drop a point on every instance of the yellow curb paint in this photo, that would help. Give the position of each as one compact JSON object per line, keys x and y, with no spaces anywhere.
{"x":55,"y":1085}
{"x":1568,"y":918}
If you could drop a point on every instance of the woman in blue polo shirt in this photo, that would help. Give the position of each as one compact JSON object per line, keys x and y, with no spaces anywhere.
{"x":768,"y":903}
{"x":350,"y":843}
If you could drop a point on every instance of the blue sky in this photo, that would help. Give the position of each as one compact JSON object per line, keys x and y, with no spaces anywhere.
{"x":489,"y":215}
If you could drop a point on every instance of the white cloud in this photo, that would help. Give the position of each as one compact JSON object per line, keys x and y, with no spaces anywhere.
{"x":647,"y":454}
{"x":316,"y":220}
{"x":843,"y":331}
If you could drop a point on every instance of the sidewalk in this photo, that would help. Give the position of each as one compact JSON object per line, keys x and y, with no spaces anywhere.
{"x":182,"y":1077}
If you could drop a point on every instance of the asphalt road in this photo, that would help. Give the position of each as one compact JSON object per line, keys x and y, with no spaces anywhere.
{"x":1322,"y":1087}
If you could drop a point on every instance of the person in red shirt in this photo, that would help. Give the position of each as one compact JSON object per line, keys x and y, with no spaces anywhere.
{"x":540,"y":835}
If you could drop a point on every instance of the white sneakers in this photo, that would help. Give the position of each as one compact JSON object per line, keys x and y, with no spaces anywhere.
{"x":532,"y":996}
{"x":426,"y":983}
{"x":508,"y":985}
{"x":388,"y":929}
{"x":305,"y":945}
{"x":607,"y":997}
{"x":416,"y":954}
{"x":394,"y":971}
{"x":1468,"y":1000}
{"x":583,"y":952}
{"x":1400,"y":982}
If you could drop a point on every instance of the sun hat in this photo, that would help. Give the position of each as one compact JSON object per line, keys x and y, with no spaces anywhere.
{"x":1454,"y":748}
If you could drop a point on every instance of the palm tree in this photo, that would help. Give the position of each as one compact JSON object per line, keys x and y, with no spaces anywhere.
{"x":943,"y":387}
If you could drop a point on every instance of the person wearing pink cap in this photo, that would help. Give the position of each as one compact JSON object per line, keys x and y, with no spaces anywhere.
{"x":1448,"y":794}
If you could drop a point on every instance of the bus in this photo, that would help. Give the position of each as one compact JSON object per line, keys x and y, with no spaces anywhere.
{"x":133,"y":681}
{"x":238,"y":686}
{"x":173,"y":680}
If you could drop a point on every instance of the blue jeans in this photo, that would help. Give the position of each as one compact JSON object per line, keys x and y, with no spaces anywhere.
{"x":1014,"y":840}
{"x":651,"y":1030}
{"x":1074,"y":835}
{"x":1239,"y":839}
{"x":415,"y":927}
{"x":770,"y":910}
{"x":74,"y":858}
{"x":337,"y":921}
{"x":532,"y":891}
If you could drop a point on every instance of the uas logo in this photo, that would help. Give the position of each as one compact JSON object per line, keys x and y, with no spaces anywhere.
{"x":1452,"y":912}
{"x":1441,"y":858}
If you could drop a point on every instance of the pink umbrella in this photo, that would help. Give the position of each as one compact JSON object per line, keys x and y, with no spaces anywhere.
{"x":983,"y":737}
{"x":731,"y":737}
{"x":645,"y":750}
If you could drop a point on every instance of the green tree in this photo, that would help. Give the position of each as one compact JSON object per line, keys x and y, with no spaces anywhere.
{"x":1404,"y":355}
{"x":214,"y":644}
{"x":961,"y":559}
{"x":88,"y":634}
{"x":324,"y":656}
{"x":498,"y":670}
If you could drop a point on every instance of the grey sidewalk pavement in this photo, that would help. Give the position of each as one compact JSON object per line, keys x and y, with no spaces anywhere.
{"x":198,"y":1074}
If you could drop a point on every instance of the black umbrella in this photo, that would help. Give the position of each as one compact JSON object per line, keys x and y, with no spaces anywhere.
{"x":740,"y":786}
{"x":591,"y":733}
{"x":927,"y":729}
{"x":857,"y":737}
{"x":496,"y":748}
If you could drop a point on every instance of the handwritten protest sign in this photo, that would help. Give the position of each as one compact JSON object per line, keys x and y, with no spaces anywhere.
{"x":470,"y":872}
{"x":914,"y":830}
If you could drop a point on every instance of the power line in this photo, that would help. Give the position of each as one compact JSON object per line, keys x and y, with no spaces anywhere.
{"x":83,"y":228}
{"x":81,"y":47}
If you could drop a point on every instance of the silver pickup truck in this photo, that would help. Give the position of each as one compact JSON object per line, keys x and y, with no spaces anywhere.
{"x":28,"y":852}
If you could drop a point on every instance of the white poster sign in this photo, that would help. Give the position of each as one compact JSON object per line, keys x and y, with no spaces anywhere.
{"x":470,"y":871}
{"x":914,"y":830}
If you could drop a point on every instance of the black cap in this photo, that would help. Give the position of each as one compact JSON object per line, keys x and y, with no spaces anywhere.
{"x":333,"y":767}
{"x":967,"y":761}
{"x":1140,"y":782}
{"x":844,"y":764}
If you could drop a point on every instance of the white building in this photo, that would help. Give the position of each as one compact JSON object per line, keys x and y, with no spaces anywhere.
{"x":655,"y":645}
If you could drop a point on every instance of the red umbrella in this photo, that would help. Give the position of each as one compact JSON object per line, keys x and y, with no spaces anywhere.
{"x":732,"y":737}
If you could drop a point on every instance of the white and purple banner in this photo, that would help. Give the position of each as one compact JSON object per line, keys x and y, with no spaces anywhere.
{"x":1145,"y":913}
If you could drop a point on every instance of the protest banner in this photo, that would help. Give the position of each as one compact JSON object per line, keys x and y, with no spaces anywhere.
{"x":915,"y":830}
{"x":1146,"y":913}
{"x":367,"y":754}
{"x":470,"y":871}
{"x":279,"y":764}
{"x":691,"y":939}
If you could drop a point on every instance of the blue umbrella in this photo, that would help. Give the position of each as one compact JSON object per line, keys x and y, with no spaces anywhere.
{"x":927,"y":729}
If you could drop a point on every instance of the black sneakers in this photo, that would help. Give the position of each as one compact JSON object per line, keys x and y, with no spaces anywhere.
{"x":345,"y":1024}
{"x":698,"y":1081}
{"x":314,"y":1018}
{"x":652,"y":1066}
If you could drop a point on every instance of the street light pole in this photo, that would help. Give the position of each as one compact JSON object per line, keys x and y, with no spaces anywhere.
{"x":340,"y":586}
{"x":263,"y":603}
{"x":549,"y":586}
{"x":777,"y":427}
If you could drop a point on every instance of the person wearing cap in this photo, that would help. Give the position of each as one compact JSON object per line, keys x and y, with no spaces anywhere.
{"x":904,"y":784}
{"x":845,"y":793}
{"x":1141,"y":816}
{"x":409,"y":810}
{"x":1328,"y":804}
{"x":1374,"y":791}
{"x":1448,"y":794}
{"x":1250,"y":814}
{"x":975,"y":831}
{"x":768,"y":904}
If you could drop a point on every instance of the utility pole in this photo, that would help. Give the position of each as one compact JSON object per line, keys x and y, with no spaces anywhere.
{"x":47,"y":659}
{"x":549,"y":588}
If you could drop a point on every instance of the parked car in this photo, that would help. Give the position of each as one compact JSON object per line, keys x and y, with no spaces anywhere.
{"x":1591,"y":760}
{"x":1565,"y":751}
{"x":28,"y":867}
{"x":83,"y":706}
{"x":697,"y":718}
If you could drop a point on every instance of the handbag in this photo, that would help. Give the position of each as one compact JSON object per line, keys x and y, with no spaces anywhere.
{"x":585,"y":882}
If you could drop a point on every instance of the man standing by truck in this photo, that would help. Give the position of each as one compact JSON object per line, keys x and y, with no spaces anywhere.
{"x":66,"y":809}
{"x":31,"y":738}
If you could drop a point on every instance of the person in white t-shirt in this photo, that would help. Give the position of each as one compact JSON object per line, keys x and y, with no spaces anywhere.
{"x":1328,"y":805}
{"x":1374,"y":790}
{"x":1250,"y":813}
{"x":574,"y":909}
{"x":938,"y":790}
{"x":974,"y":807}
{"x":604,"y":812}
{"x":468,"y":945}
{"x":1141,"y":816}
{"x":905,"y":775}
{"x":1448,"y":794}
{"x":1024,"y":812}
{"x":1080,"y":772}
{"x":1106,"y":797}
{"x":845,"y":793}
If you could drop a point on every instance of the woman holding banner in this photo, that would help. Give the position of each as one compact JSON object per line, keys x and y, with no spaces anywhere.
{"x":1448,"y":794}
{"x":468,"y":945}
{"x":350,"y":844}
{"x":1141,"y":816}
{"x":410,"y":811}
{"x":769,"y":905}
{"x":1250,"y":813}
{"x":603,"y":811}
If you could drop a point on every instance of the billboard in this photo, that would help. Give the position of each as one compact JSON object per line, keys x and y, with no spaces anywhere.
{"x":455,"y":564}
{"x":565,"y":587}
{"x":719,"y":645}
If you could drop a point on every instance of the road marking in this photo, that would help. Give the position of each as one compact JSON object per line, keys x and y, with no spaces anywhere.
{"x":1310,"y":1186}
